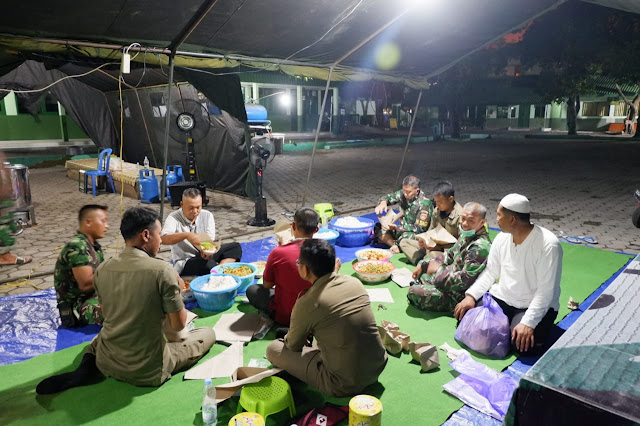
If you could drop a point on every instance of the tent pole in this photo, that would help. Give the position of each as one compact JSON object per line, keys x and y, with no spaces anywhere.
{"x":163,"y":193}
{"x":315,"y":141}
{"x":406,"y":146}
{"x":193,"y":24}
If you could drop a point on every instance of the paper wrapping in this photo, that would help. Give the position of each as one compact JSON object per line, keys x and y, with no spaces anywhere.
{"x":426,"y":354}
{"x":437,"y":236}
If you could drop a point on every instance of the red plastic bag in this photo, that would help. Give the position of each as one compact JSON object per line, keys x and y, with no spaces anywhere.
{"x":323,"y":416}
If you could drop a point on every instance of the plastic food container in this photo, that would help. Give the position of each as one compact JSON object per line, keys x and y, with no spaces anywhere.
{"x":367,"y":277}
{"x":380,"y":254}
{"x":216,"y":300}
{"x":353,"y":237}
{"x":246,"y":419}
{"x":330,"y":235}
{"x":245,"y":281}
{"x":365,"y":410}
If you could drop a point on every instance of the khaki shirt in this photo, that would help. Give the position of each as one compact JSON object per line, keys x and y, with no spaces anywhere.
{"x":136,"y":292}
{"x":336,"y":310}
{"x":450,"y":223}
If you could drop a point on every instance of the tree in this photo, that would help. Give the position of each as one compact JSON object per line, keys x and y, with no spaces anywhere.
{"x":564,"y":47}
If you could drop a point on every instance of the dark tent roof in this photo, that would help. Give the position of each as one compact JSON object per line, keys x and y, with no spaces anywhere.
{"x":430,"y":35}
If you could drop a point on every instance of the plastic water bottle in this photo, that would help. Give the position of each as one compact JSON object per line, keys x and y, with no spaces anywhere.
{"x":146,"y":162}
{"x":209,"y":407}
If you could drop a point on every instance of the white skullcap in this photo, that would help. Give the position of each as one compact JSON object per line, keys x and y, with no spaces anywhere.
{"x":516,"y":203}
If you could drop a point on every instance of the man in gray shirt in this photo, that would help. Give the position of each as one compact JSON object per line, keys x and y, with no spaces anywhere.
{"x":182,"y":231}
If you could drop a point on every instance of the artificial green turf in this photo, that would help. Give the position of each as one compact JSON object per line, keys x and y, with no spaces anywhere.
{"x":408,"y":396}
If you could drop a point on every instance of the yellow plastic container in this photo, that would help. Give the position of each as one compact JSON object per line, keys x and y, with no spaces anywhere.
{"x":325,"y":211}
{"x":246,"y":419}
{"x":365,"y":410}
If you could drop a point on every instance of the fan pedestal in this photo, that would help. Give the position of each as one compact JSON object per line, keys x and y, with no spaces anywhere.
{"x":261,"y":218}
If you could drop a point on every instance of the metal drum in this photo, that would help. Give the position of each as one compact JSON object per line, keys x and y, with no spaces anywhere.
{"x":20,"y":188}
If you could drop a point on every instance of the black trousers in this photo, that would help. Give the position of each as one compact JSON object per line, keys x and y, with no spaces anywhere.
{"x":197,"y":266}
{"x":260,"y":297}
{"x":540,"y":333}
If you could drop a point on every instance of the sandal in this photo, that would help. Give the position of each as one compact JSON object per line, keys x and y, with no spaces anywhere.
{"x":19,"y":261}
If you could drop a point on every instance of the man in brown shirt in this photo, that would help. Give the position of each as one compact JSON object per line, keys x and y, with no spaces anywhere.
{"x":348,"y":354}
{"x":138,"y":294}
{"x":446,"y":214}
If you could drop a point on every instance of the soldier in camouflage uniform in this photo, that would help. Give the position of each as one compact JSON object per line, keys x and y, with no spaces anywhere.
{"x":78,"y":260}
{"x":417,"y":209}
{"x":443,"y":281}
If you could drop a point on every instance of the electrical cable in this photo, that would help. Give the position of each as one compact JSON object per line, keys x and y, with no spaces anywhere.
{"x":58,"y":81}
{"x":325,"y":34}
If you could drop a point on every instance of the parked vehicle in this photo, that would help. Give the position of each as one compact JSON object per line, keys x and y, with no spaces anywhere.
{"x":635,"y":218}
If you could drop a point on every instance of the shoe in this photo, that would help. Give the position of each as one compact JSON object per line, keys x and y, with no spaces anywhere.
{"x":377,"y":231}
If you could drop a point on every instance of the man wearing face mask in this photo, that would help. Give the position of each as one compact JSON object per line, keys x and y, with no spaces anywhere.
{"x":441,"y":283}
{"x":416,"y":208}
{"x":138,"y":294}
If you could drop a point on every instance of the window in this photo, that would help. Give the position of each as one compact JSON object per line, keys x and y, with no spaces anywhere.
{"x":125,"y":103}
{"x":595,"y":109}
{"x":502,"y":112}
{"x":621,"y":109}
{"x":507,"y":112}
{"x":539,"y":111}
{"x":158,"y":106}
{"x":50,"y":104}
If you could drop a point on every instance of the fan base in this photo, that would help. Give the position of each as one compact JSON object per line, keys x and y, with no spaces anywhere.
{"x":261,"y":218}
{"x":262,"y":222}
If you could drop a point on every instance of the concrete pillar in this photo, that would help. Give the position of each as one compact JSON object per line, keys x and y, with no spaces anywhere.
{"x":299,"y":107}
{"x":289,"y":94}
{"x":64,"y":132}
{"x":10,"y":104}
{"x":254,"y":92}
{"x":335,"y":120}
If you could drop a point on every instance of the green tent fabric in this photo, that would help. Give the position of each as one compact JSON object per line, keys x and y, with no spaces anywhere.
{"x":406,"y":394}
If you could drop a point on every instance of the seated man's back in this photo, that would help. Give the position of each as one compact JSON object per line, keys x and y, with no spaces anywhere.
{"x":283,"y":271}
{"x":338,"y":312}
{"x":136,"y":292}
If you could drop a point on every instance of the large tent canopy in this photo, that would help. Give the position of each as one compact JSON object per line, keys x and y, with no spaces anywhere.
{"x":407,"y":41}
{"x":404,"y":41}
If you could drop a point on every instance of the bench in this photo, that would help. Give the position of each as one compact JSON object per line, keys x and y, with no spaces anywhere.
{"x":618,"y":128}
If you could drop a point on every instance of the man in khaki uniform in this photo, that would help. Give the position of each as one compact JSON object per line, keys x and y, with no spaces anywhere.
{"x":138,"y":294}
{"x":446,"y":214}
{"x":336,"y":311}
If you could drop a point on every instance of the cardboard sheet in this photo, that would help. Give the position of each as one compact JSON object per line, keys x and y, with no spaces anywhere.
{"x":402,"y":276}
{"x":389,"y":218}
{"x":437,"y":236}
{"x":283,"y":231}
{"x":221,"y":365}
{"x":380,"y":295}
{"x":243,"y":376}
{"x":238,"y":327}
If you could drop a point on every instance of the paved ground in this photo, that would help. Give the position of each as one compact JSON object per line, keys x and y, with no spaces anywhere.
{"x":577,"y":187}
